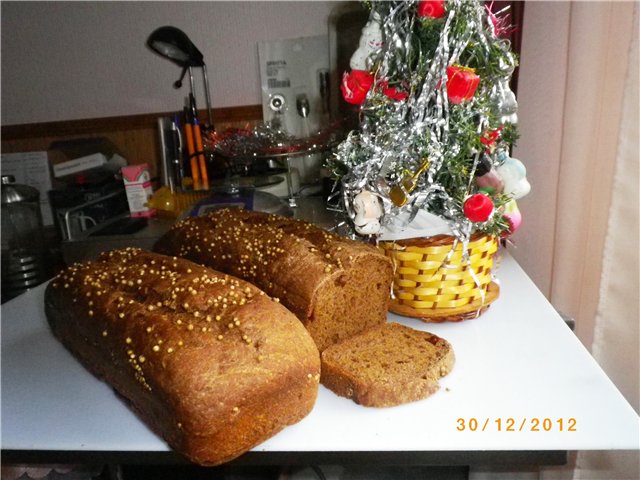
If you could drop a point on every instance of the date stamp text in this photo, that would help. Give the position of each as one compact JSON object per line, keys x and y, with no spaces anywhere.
{"x":509,"y":424}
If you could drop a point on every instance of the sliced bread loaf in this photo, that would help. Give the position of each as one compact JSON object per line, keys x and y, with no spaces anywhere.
{"x":387,"y":365}
{"x":337,"y":287}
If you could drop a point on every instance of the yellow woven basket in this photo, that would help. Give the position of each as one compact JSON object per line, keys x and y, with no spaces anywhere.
{"x":433,"y":282}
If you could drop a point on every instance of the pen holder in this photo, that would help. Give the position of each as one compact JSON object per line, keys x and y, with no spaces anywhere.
{"x":435,"y":283}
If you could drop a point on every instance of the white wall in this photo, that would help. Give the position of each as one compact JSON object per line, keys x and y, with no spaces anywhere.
{"x":73,"y":60}
{"x":541,"y":92}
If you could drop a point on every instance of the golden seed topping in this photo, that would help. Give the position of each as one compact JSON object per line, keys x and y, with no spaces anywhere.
{"x":156,"y":348}
{"x":128,"y":340}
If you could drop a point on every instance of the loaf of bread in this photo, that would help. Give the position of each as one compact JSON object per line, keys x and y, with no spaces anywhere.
{"x":386,"y":366}
{"x":208,"y":361}
{"x":337,"y":287}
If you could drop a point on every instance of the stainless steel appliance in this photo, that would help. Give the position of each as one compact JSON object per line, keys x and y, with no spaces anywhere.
{"x":22,"y":238}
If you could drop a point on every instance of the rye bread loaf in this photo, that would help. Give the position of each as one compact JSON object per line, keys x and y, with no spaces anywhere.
{"x":337,"y":287}
{"x":208,"y":361}
{"x":387,"y":365}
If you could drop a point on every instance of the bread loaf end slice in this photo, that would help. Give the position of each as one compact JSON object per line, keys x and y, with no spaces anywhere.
{"x":386,"y":366}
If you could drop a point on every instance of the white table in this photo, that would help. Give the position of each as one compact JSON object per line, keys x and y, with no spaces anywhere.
{"x":518,"y":361}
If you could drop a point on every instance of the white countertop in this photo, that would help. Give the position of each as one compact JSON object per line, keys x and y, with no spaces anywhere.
{"x":519,"y":360}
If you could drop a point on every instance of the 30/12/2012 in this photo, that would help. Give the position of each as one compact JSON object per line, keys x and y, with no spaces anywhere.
{"x":510,"y":424}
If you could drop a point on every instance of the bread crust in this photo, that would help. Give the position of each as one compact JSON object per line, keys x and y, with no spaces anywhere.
{"x":387,"y":366}
{"x":337,"y":287}
{"x":208,"y":361}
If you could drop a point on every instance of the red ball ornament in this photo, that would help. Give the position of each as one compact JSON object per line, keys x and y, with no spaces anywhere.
{"x":478,"y":207}
{"x":430,"y":8}
{"x":356,"y":85}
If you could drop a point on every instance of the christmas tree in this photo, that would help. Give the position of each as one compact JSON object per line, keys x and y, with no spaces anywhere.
{"x":437,"y":120}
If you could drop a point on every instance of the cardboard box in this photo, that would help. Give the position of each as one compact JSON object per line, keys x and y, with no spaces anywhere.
{"x":69,"y":167}
{"x":137,"y":184}
{"x":71,"y":157}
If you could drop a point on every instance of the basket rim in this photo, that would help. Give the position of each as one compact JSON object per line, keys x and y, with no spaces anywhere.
{"x":435,"y":241}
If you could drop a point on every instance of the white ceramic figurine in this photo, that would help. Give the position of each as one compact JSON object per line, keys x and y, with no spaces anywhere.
{"x":368,"y":213}
{"x":370,"y":40}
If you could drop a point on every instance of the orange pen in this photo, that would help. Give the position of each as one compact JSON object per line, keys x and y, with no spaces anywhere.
{"x":197,"y":133}
{"x":188,"y":130}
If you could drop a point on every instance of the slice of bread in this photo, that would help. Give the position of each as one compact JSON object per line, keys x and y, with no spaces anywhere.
{"x":387,"y":365}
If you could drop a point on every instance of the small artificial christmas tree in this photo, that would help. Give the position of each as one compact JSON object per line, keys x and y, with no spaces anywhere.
{"x":431,"y":155}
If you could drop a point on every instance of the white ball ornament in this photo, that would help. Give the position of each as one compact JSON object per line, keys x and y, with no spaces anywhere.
{"x":505,"y":102}
{"x":514,"y":175}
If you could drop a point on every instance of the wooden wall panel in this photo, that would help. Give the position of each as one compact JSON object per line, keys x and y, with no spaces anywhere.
{"x":136,"y":136}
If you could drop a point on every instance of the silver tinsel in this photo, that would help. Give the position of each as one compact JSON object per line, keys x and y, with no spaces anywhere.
{"x":395,"y":137}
